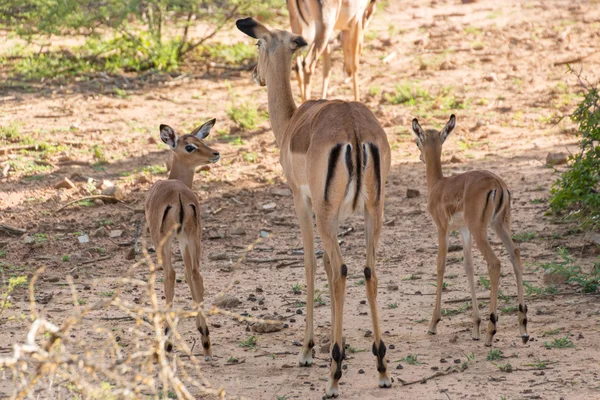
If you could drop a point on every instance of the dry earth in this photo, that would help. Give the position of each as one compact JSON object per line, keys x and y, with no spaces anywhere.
{"x":496,"y":60}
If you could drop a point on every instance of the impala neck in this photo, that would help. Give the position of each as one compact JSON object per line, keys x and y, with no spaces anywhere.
{"x":433,"y":166}
{"x":182,"y":172}
{"x":281,"y":100}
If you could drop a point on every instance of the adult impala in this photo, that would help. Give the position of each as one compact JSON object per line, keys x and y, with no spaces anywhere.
{"x":315,"y":21}
{"x":469,"y":202}
{"x":172,"y":204}
{"x":336,"y":157}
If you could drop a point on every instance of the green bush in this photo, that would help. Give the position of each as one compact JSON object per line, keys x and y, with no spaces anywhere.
{"x":578,"y":189}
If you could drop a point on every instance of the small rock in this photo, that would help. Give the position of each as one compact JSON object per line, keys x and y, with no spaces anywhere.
{"x":399,"y":366}
{"x":299,"y":311}
{"x":130,"y":254}
{"x":456,"y":159}
{"x":368,"y":333}
{"x":434,"y":368}
{"x":361,"y":371}
{"x":54,"y":279}
{"x":556,"y":158}
{"x":491,"y":77}
{"x":28,"y":239}
{"x":238,"y":232}
{"x":44,"y":298}
{"x":553,"y":278}
{"x":83,"y":239}
{"x":269,"y":206}
{"x":218,"y":257}
{"x":457,"y":361}
{"x":114,"y":191}
{"x":227,"y":301}
{"x":392,"y":287}
{"x":65,"y":183}
{"x":282,"y":192}
{"x":443,"y":360}
{"x":87,"y":287}
{"x":142,"y":179}
{"x":259,"y":290}
{"x":324,"y":348}
{"x":100,"y":232}
{"x":252,"y":297}
{"x":454,"y":339}
{"x":412,"y":193}
{"x":115,"y":233}
{"x":391,"y":347}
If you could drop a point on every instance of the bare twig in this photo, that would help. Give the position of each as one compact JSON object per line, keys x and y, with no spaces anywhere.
{"x":101,"y":197}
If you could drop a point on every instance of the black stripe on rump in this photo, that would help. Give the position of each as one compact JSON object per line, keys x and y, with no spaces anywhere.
{"x":181,"y":215}
{"x":334,"y":155}
{"x":195,"y":212}
{"x":364,"y":156}
{"x":500,"y":202}
{"x":377,"y":167}
{"x":358,"y":176}
{"x":167,"y":209}
{"x":487,"y":200}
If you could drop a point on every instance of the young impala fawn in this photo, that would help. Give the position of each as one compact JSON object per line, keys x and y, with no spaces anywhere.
{"x":336,"y":157}
{"x":316,"y":21}
{"x":172,"y":205}
{"x":469,"y":202}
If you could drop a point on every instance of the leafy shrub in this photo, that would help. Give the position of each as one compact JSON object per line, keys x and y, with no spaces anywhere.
{"x":577,"y":190}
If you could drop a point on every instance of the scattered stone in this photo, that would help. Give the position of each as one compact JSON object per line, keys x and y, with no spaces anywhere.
{"x":269,"y":206}
{"x":65,"y":183}
{"x":227,"y":301}
{"x":100,"y":232}
{"x":454,"y":247}
{"x":44,"y":298}
{"x":114,"y":191}
{"x":363,"y":302}
{"x":368,"y":333}
{"x":251,"y":297}
{"x":259,"y":290}
{"x":399,"y":366}
{"x":54,"y":279}
{"x":593,"y":237}
{"x":270,"y":325}
{"x":391,"y":347}
{"x":218,"y":257}
{"x":456,"y":159}
{"x":142,"y":179}
{"x":457,"y":361}
{"x":443,"y":360}
{"x":392,"y":287}
{"x":28,"y":239}
{"x":553,"y":278}
{"x":556,"y":158}
{"x":282,"y":192}
{"x":361,"y":371}
{"x":83,"y":239}
{"x":130,"y":254}
{"x":98,"y":202}
{"x":454,"y":339}
{"x":213,"y":235}
{"x":115,"y":233}
{"x":434,"y":368}
{"x":299,"y":311}
{"x":238,"y":232}
{"x":412,"y":193}
{"x":491,"y":77}
{"x":87,"y":287}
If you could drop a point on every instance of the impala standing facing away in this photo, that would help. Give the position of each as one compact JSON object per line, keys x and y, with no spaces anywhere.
{"x":469,"y":202}
{"x":315,"y":21}
{"x":172,"y":204}
{"x":336,"y":157}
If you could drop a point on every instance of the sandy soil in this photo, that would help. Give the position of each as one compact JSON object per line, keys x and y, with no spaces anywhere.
{"x":500,"y":66}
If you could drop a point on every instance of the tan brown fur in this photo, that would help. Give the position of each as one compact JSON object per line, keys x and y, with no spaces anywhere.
{"x":309,"y":138}
{"x":172,"y":209}
{"x":316,"y":21}
{"x":469,"y":202}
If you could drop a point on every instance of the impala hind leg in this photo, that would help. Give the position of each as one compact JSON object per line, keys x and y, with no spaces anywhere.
{"x":169,"y":282}
{"x":305,"y":221}
{"x":502,"y":229}
{"x":191,"y":260}
{"x":373,"y":222}
{"x":468,"y":259}
{"x":493,"y":263}
{"x":351,"y":43}
{"x":326,"y":70}
{"x":327,"y":226}
{"x":441,"y":269}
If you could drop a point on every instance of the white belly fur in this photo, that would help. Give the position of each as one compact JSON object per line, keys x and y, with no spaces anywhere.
{"x":457,"y":221}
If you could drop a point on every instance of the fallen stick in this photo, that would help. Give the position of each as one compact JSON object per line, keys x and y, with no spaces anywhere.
{"x":101,"y":197}
{"x":271,"y":260}
{"x":279,"y":353}
{"x":95,"y":260}
{"x":448,"y":371}
{"x":12,"y":230}
{"x":572,"y":59}
{"x":127,"y":318}
{"x":6,"y":150}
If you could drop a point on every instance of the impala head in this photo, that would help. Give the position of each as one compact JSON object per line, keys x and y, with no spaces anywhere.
{"x":430,"y":141}
{"x":190,"y":149}
{"x":272,"y":45}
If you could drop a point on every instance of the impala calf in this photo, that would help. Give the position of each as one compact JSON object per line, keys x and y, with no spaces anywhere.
{"x":315,"y":21}
{"x":336,"y":158}
{"x":171,"y":205}
{"x":469,"y":202}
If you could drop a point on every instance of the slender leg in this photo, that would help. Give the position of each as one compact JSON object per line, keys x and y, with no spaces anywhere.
{"x":351,"y":43}
{"x":493,"y":263}
{"x":326,"y":70}
{"x":169,"y":278}
{"x":466,"y":237}
{"x":441,"y":267}
{"x":503,"y":231}
{"x":323,"y":31}
{"x":305,"y":221}
{"x":299,"y":68}
{"x":329,"y":272}
{"x":327,"y":225}
{"x":191,"y":259}
{"x":373,"y":222}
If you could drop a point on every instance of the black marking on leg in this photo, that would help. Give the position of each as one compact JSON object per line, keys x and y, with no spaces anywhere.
{"x":493,"y":332}
{"x":379,"y":352}
{"x":344,"y":270}
{"x":202,"y":331}
{"x":487,"y":200}
{"x":478,"y":321}
{"x":367,"y":273}
{"x":206,"y":344}
{"x":167,"y":209}
{"x":493,"y":318}
{"x":525,"y":322}
{"x":310,"y":344}
{"x":181,"y":215}
{"x":500,"y":202}
{"x":336,"y":355}
{"x":169,"y":347}
{"x":377,"y":168}
{"x":195,"y":212}
{"x":334,"y":155}
{"x":523,"y":308}
{"x":166,"y":331}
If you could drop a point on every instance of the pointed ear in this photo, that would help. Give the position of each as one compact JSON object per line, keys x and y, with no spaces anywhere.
{"x":445,"y":132}
{"x":168,"y":135}
{"x":297,"y":43}
{"x":417,"y":130}
{"x":202,"y":131}
{"x":252,"y":28}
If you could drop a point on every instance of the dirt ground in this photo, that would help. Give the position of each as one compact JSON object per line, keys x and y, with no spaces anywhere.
{"x":498,"y":59}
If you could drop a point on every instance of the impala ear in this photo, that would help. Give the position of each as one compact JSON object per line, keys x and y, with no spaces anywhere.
{"x":445,"y":132}
{"x":202,"y":131}
{"x":417,"y":130}
{"x":168,"y":136}
{"x":252,"y":28}
{"x":297,"y":43}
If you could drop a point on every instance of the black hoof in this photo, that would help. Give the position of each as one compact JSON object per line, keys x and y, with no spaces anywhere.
{"x":525,"y":339}
{"x":169,"y":347}
{"x":476,"y":339}
{"x":431,"y":333}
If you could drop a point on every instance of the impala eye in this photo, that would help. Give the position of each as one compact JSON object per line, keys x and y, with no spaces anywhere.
{"x":189,"y":148}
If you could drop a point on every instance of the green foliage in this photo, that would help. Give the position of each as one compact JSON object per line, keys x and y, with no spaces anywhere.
{"x":559,"y":343}
{"x":13,"y":283}
{"x":494,"y":354}
{"x":392,"y":306}
{"x":249,"y":343}
{"x":589,"y":283}
{"x":359,"y":282}
{"x":244,"y":115}
{"x":319,"y":301}
{"x":297,"y":288}
{"x":485,"y":282}
{"x":407,"y":93}
{"x":578,"y":189}
{"x":412,"y":359}
{"x":524,"y":237}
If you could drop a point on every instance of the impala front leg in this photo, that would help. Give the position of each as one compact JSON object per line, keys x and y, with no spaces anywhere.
{"x":304,"y":215}
{"x":441,"y":268}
